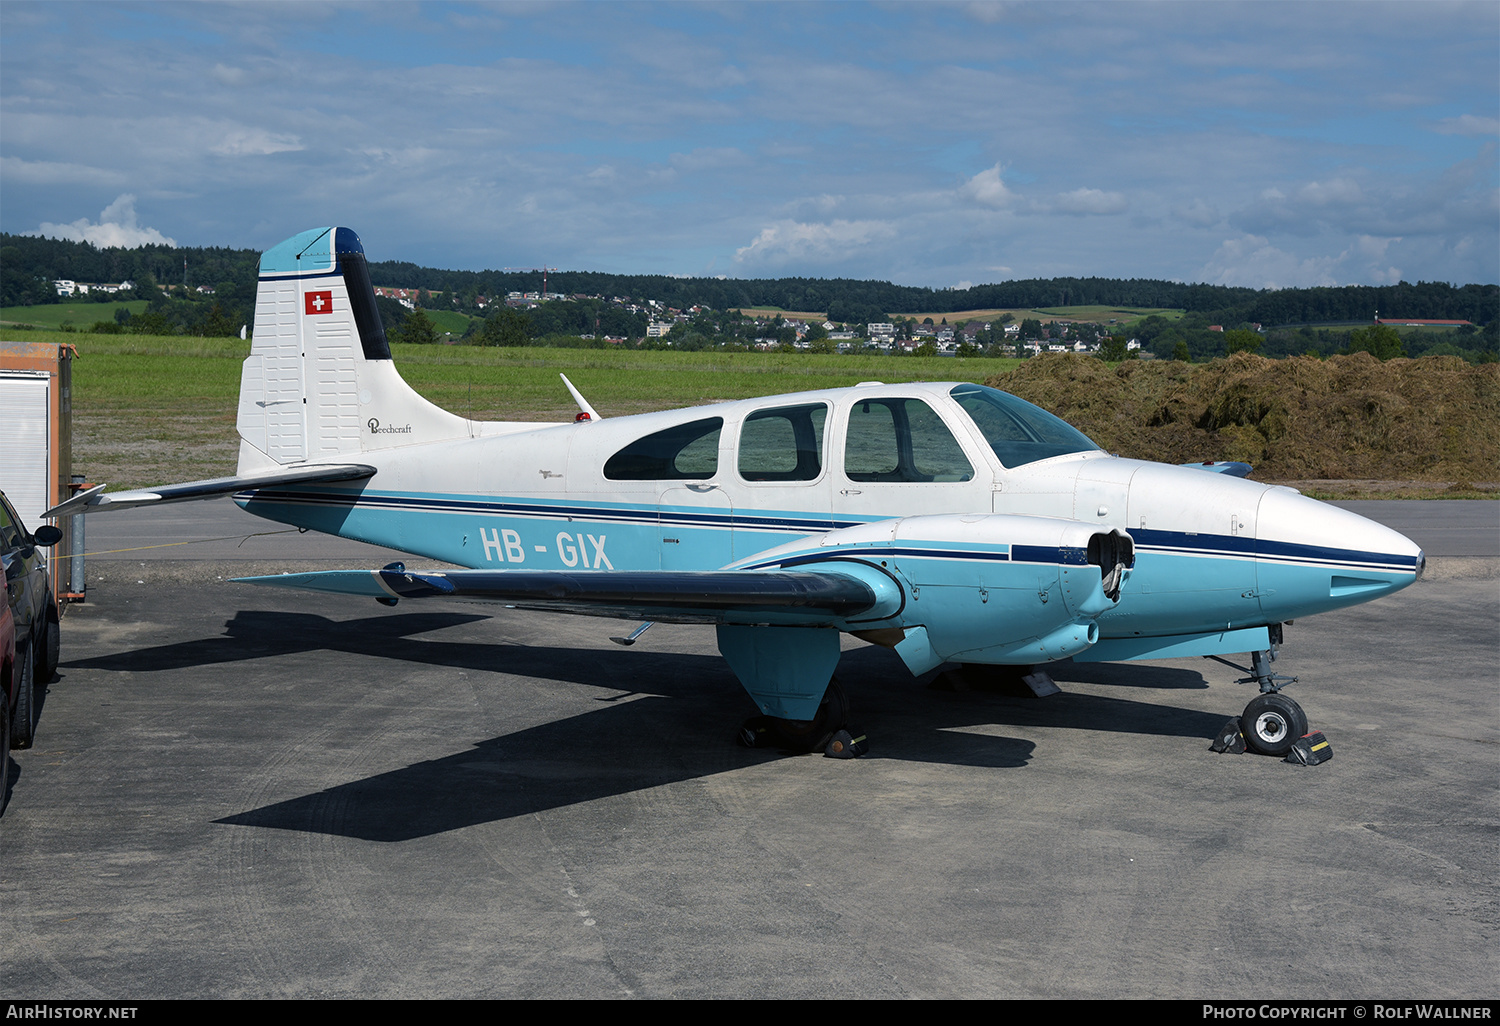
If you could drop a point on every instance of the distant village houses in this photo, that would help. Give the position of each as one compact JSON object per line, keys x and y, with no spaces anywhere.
{"x":68,"y":287}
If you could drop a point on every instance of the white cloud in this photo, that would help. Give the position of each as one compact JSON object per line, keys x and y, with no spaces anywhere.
{"x":987,"y":188}
{"x":254,"y":142}
{"x":799,"y":241}
{"x":824,"y":203}
{"x":117,"y":227}
{"x":1252,"y":261}
{"x":1331,"y":193}
{"x":1198,"y":213}
{"x":52,"y":172}
{"x":705,"y":158}
{"x":229,"y":76}
{"x":1469,"y":124}
{"x":1380,"y":206}
{"x":1085,"y":202}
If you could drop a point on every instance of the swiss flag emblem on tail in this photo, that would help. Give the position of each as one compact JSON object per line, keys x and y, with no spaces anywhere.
{"x":318,"y":302}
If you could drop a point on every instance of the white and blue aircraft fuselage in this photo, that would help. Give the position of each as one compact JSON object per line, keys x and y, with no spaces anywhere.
{"x":951,"y":522}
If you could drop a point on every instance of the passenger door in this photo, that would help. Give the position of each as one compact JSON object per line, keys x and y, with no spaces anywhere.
{"x":900,"y":458}
{"x":780,"y":478}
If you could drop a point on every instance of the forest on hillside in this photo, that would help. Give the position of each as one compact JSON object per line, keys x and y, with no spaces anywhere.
{"x":169,"y":279}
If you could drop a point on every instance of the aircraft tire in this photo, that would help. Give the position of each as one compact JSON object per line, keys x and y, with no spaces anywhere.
{"x":22,"y":724}
{"x":799,"y":735}
{"x":1272,"y":724}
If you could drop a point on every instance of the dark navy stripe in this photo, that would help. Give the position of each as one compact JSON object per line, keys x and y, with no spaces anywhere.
{"x":1066,"y":555}
{"x":1218,"y":544}
{"x":302,"y":275}
{"x":1227,"y":545}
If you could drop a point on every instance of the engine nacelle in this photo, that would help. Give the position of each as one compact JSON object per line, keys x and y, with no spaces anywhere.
{"x":985,"y":588}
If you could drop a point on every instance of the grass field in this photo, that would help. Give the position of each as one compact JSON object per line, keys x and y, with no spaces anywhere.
{"x":1105,"y":314}
{"x":51,"y":316}
{"x":447,"y":320}
{"x":795,"y":315}
{"x":150,"y":409}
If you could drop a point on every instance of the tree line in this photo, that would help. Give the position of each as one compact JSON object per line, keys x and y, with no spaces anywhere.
{"x":28,"y":266}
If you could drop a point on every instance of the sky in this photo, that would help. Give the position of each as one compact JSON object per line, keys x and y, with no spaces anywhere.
{"x":1265,"y":144}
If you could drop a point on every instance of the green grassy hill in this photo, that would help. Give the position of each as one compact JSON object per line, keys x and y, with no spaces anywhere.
{"x":52,"y":316}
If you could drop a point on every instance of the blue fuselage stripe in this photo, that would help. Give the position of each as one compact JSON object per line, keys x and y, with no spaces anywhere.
{"x":1179,"y":543}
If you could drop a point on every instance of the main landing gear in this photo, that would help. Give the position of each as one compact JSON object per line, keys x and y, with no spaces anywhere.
{"x":827,"y":731}
{"x":1272,"y":722}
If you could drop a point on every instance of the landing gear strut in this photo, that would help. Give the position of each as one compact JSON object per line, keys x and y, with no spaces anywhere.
{"x":1272,"y":722}
{"x":826,"y":731}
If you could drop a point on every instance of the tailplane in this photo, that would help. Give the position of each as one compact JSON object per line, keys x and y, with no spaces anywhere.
{"x":319,"y":383}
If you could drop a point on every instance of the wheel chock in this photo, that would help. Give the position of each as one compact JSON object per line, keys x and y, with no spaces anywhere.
{"x":1229,"y":739}
{"x":844,"y":745}
{"x":1040,"y":684}
{"x":755,"y":733}
{"x":1311,"y":749}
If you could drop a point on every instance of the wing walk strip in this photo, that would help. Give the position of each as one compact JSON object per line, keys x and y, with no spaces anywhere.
{"x":1147,"y":541}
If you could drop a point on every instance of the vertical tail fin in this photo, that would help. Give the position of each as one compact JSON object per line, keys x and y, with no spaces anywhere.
{"x":319,"y":382}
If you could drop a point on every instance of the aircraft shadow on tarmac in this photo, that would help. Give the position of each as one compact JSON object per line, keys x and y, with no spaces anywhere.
{"x":666,"y":717}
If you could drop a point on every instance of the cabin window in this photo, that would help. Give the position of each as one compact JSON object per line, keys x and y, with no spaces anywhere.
{"x":901,"y":440}
{"x":685,"y":452}
{"x":783,"y":444}
{"x":1017,"y":431}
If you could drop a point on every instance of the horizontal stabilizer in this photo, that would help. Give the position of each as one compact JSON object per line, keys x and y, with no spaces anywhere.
{"x":733,"y":596}
{"x":95,"y":501}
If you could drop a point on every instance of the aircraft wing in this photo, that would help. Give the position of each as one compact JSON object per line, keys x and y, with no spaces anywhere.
{"x":1230,"y":467}
{"x":94,"y":500}
{"x":802,"y":598}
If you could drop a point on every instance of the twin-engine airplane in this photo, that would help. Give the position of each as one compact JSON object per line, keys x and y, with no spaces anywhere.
{"x":950,"y":522}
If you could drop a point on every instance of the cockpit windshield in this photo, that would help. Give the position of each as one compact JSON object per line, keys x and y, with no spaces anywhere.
{"x":1019,"y":432}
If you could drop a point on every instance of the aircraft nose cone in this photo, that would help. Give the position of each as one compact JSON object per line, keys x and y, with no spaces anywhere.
{"x":1311,"y":555}
{"x":1296,"y":525}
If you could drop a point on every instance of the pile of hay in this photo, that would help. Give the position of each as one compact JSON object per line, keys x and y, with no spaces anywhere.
{"x":1347,"y":417}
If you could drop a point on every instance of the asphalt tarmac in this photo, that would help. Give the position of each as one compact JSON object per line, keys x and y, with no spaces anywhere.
{"x":239,"y":792}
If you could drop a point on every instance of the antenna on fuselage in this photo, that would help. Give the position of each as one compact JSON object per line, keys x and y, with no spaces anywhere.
{"x":583,"y":404}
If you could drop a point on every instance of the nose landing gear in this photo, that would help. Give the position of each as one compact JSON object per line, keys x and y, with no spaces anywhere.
{"x":1272,"y":722}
